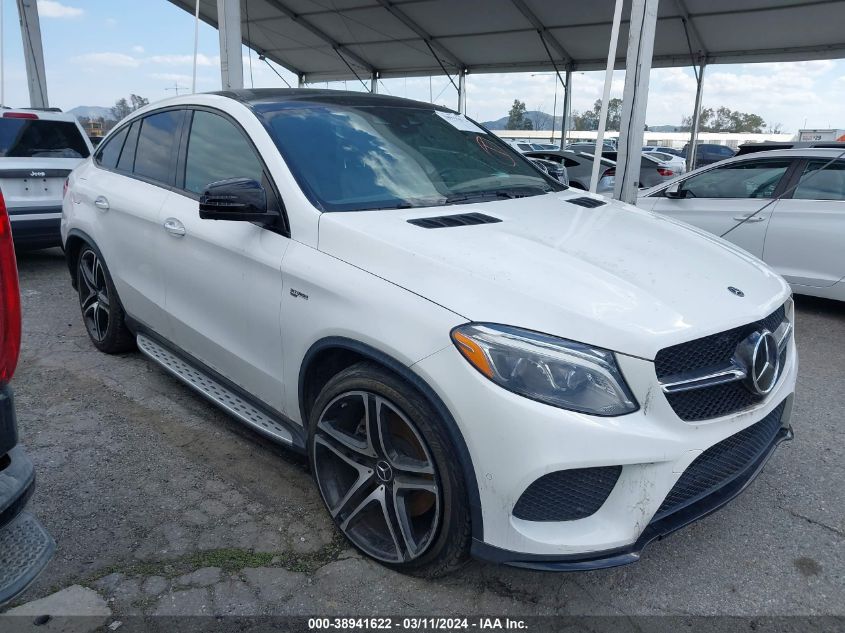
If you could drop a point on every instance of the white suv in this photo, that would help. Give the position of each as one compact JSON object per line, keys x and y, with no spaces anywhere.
{"x":473,"y":357}
{"x":38,"y":149}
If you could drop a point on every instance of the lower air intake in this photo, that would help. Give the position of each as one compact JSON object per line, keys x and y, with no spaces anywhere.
{"x":567,"y":495}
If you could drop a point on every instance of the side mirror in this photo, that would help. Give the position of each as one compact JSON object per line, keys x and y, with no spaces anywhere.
{"x":238,"y":199}
{"x":674,"y":191}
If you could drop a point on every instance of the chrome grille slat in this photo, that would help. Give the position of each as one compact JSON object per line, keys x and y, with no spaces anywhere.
{"x":702,"y":379}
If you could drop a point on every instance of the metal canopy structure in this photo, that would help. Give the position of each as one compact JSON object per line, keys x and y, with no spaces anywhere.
{"x":328,"y":40}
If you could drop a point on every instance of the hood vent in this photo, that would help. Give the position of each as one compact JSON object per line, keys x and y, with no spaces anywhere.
{"x":590,"y":203}
{"x":445,"y":221}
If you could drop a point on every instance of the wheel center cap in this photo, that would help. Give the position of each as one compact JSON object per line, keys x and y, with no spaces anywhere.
{"x":383,"y":471}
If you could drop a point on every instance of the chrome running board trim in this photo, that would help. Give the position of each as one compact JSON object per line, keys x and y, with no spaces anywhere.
{"x":215,"y":391}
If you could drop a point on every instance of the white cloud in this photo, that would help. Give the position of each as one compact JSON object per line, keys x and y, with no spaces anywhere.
{"x":115,"y":60}
{"x":183,"y":60}
{"x":138,"y":49}
{"x":54,"y":9}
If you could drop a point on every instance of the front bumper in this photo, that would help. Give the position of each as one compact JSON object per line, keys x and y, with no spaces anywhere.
{"x":514,"y":441}
{"x":25,"y":546}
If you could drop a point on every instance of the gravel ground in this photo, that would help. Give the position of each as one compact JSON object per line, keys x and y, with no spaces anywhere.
{"x":164,"y":505}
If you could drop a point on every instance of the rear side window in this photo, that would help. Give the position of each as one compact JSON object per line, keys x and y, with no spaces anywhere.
{"x":109,"y":153}
{"x":37,"y":138}
{"x":156,"y":144}
{"x":213,"y":137}
{"x":127,"y":156}
{"x":828,"y":184}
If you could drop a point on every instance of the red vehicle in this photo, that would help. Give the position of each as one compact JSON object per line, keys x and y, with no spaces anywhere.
{"x":25,"y":546}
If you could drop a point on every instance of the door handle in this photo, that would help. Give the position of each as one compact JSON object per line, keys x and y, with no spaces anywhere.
{"x":101,"y":203}
{"x":174,"y":227}
{"x":747,"y":218}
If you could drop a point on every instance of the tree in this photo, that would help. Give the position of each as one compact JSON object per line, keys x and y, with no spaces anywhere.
{"x":589,"y":119}
{"x":138,"y":102}
{"x":123,"y":108}
{"x":516,"y":117}
{"x":723,"y":119}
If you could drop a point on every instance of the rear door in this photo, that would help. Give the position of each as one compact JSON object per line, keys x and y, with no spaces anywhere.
{"x":135,"y":173}
{"x":224,"y":278}
{"x":806,"y":237}
{"x":720,"y":198}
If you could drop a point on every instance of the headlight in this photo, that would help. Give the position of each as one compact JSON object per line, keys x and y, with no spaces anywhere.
{"x":552,"y":370}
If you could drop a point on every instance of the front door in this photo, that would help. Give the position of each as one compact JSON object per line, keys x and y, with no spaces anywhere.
{"x":223,"y":279}
{"x":719,"y":199}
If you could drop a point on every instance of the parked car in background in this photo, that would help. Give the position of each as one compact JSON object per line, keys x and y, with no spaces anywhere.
{"x":801,"y":235}
{"x":709,"y":153}
{"x":589,"y":148}
{"x":554,"y":169}
{"x":38,"y":149}
{"x":653,"y":170}
{"x":751,"y":148}
{"x":25,"y":546}
{"x":474,"y":358}
{"x":579,"y":169}
{"x":662,"y":148}
{"x":677,"y":164}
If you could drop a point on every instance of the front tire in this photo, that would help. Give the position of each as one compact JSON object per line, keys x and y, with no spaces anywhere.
{"x":387,"y":473}
{"x":102,"y":312}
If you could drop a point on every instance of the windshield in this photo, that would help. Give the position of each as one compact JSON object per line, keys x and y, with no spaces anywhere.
{"x":33,"y":138}
{"x":353,"y":158}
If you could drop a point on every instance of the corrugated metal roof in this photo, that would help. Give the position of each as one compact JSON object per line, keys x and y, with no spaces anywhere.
{"x":399,"y":38}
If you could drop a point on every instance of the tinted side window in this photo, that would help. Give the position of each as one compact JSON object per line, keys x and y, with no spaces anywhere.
{"x":748,"y":179}
{"x":127,"y":156}
{"x":108,"y":154}
{"x":156,"y":144}
{"x":828,"y":184}
{"x":212,"y":138}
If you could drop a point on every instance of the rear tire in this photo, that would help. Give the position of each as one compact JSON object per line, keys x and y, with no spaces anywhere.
{"x":102,"y":312}
{"x":387,"y":472}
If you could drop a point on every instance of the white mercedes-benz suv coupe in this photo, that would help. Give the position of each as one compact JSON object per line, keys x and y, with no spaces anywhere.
{"x":474,"y":358}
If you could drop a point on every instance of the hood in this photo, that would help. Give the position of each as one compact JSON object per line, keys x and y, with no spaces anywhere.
{"x":614,"y":276}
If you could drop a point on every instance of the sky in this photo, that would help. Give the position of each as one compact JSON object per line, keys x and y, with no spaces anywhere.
{"x":97,"y":51}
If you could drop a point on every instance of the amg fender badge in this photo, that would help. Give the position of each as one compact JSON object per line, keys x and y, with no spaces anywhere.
{"x":296,"y":293}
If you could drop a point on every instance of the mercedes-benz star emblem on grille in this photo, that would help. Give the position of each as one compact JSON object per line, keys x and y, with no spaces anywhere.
{"x":736,"y":291}
{"x":759,"y":354}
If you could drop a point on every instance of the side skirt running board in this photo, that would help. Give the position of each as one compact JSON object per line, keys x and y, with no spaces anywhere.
{"x":273,"y":426}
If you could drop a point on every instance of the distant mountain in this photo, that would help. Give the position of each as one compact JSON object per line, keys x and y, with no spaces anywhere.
{"x":541,"y":121}
{"x":91,"y":112}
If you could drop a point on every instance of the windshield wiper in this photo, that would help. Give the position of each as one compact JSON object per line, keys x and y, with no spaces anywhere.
{"x":495,"y":194}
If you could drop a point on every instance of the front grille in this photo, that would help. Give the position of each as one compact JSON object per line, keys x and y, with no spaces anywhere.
{"x":722,"y":463}
{"x":712,"y":351}
{"x":567,"y":495}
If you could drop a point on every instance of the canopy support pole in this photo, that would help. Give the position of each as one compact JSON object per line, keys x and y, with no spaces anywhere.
{"x":696,"y":120}
{"x":567,"y":107}
{"x":605,"y":99}
{"x":33,"y":53}
{"x":231,"y":56}
{"x":374,"y":83}
{"x":462,"y":91}
{"x":635,"y":98}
